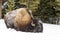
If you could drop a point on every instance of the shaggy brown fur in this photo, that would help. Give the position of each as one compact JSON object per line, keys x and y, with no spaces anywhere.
{"x":22,"y":19}
{"x":18,"y":19}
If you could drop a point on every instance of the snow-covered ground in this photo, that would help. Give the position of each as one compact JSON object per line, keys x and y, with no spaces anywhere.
{"x":50,"y":32}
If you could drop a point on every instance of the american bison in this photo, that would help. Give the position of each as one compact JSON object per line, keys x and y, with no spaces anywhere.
{"x":22,"y":20}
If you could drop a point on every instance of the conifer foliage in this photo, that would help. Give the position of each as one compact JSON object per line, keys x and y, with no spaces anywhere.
{"x":46,"y":9}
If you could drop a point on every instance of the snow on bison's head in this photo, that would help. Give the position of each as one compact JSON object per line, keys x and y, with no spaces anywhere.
{"x":18,"y":19}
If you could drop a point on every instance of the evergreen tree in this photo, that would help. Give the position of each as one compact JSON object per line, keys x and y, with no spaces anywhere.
{"x":10,"y":5}
{"x":15,"y":4}
{"x":46,"y":9}
{"x":57,"y":4}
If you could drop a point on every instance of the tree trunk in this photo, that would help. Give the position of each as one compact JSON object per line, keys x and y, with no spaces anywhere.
{"x":0,"y":9}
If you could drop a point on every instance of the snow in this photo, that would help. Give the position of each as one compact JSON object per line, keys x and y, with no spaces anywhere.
{"x":50,"y":32}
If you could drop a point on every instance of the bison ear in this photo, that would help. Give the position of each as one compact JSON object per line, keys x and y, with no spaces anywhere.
{"x":30,"y":12}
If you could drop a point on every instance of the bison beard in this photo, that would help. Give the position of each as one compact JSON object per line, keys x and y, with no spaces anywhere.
{"x":22,"y":20}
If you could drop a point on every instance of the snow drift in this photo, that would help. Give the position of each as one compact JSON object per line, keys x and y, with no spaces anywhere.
{"x":46,"y":27}
{"x":50,"y":32}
